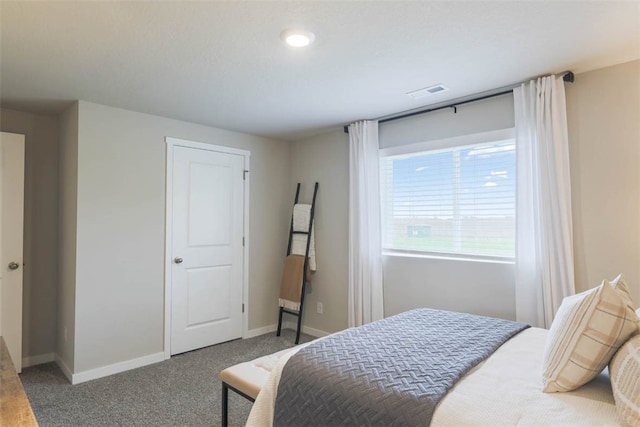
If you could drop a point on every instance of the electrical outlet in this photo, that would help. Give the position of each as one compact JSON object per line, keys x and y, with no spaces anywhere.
{"x":319,"y":308}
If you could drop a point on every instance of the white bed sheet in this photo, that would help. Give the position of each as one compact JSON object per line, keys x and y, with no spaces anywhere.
{"x":504,"y":390}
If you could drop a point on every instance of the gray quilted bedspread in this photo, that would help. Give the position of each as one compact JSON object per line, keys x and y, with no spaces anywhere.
{"x":392,"y":372}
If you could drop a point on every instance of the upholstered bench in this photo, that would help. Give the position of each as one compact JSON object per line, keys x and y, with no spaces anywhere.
{"x":247,"y":379}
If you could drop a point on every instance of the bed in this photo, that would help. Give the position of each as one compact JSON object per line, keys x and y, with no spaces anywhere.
{"x":492,"y":395}
{"x":431,"y":367}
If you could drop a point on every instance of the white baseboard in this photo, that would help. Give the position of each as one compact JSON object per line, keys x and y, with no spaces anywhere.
{"x":285,"y":325}
{"x":116,"y":368}
{"x":64,"y":368}
{"x":127,"y":365}
{"x":305,"y":329}
{"x":38,"y":359}
{"x":260,"y":331}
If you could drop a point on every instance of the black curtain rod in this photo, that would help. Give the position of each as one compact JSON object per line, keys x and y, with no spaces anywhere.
{"x":568,"y":77}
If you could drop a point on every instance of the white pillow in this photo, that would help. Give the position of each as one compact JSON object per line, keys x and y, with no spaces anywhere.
{"x":587,"y":331}
{"x":624,"y":371}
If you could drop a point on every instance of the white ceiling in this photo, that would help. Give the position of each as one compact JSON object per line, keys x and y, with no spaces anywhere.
{"x":222,"y":64}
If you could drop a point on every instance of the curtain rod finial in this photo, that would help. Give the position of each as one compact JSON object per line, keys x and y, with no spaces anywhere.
{"x":569,"y":77}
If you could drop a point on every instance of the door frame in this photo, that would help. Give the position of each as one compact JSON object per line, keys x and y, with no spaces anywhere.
{"x":177,"y":142}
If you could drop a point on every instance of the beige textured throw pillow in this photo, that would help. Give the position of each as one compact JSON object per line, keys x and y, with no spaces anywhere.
{"x":624,"y":371}
{"x":587,"y":331}
{"x":621,"y":286}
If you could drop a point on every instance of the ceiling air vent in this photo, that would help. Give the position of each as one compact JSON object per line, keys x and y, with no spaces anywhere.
{"x":427,"y":91}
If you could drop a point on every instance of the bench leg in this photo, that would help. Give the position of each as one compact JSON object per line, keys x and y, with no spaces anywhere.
{"x":225,"y":405}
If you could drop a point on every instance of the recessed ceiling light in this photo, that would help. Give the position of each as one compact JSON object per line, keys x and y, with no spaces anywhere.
{"x":297,"y":38}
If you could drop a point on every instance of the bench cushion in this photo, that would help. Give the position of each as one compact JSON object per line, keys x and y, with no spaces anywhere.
{"x":249,"y":377}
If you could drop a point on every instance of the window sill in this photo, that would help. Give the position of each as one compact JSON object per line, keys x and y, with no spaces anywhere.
{"x":447,"y":257}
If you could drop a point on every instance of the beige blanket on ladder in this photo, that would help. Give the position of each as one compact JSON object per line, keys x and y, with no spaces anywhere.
{"x":291,"y":285}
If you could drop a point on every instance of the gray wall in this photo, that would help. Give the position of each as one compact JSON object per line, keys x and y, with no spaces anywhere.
{"x":604,"y":137}
{"x":409,"y":282}
{"x":325,"y":159}
{"x":40,"y":228}
{"x":95,"y":205}
{"x":120,"y":229}
{"x":68,"y":212}
{"x":603,"y":108}
{"x":482,"y":116}
{"x":484,"y":288}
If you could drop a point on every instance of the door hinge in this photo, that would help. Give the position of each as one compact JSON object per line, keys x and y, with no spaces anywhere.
{"x":244,"y":174}
{"x":243,"y":241}
{"x":243,"y":308}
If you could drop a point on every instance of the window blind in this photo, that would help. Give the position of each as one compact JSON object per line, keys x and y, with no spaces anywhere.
{"x":453,"y":200}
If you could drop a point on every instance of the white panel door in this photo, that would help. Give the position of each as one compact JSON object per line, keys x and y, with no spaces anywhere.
{"x":207,"y":253}
{"x":11,"y":226}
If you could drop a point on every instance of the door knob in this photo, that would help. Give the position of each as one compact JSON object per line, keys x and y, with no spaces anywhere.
{"x":13,"y":265}
{"x":178,"y":260}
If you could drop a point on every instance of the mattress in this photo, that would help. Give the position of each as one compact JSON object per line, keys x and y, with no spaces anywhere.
{"x":504,"y":390}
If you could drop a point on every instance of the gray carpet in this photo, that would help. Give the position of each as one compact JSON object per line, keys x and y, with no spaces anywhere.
{"x":184,"y":390}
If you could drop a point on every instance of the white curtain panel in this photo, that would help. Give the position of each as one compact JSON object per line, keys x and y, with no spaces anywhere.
{"x":544,"y":238}
{"x":365,"y":247}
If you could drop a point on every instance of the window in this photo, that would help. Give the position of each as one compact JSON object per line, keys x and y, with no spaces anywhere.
{"x":456,"y":198}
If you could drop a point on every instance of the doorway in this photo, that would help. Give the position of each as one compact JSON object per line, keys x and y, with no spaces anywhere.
{"x":206,"y":245}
